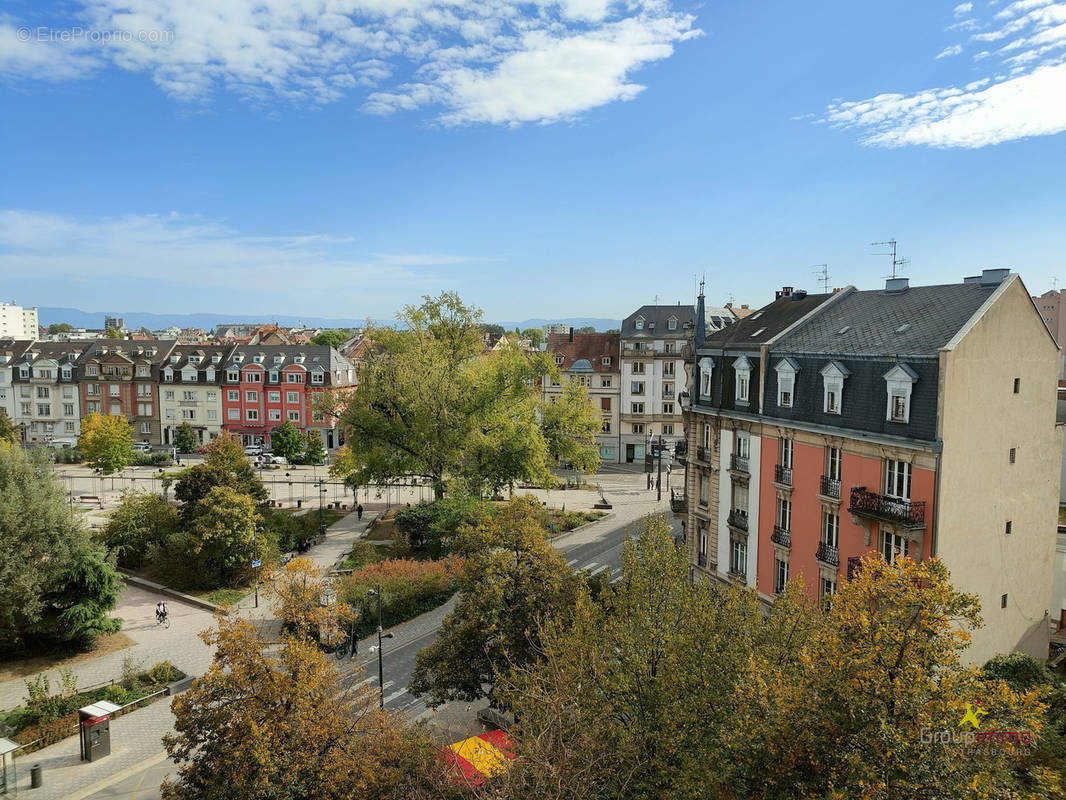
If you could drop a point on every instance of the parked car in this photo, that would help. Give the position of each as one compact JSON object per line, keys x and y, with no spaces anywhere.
{"x":253,"y":450}
{"x":142,"y":447}
{"x":270,"y":458}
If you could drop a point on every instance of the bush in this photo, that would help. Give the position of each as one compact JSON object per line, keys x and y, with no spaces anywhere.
{"x":164,"y":672}
{"x":433,"y":526}
{"x":408,"y":588}
{"x":68,"y":455}
{"x":157,"y":458}
{"x":362,"y":554}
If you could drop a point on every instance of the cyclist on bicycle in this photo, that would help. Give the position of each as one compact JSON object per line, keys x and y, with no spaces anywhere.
{"x":160,"y":611}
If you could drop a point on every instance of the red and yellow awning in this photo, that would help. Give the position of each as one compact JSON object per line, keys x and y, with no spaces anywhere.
{"x":480,"y":756}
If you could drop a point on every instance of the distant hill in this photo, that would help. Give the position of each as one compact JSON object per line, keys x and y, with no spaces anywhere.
{"x":142,"y":319}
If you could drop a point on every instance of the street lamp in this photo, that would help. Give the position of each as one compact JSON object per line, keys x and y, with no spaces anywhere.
{"x":288,"y":477}
{"x":256,"y":563}
{"x":381,"y":669}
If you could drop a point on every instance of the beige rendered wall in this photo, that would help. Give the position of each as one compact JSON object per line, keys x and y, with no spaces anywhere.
{"x":981,"y":419}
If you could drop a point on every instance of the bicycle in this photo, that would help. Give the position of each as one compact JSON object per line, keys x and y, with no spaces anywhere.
{"x":162,"y":619}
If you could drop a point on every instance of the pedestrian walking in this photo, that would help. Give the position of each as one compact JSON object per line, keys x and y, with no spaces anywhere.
{"x":359,"y":511}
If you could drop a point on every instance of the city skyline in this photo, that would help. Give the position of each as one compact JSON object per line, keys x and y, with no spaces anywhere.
{"x":593,"y":154}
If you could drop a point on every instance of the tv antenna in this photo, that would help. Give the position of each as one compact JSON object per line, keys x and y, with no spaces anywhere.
{"x":898,"y":262}
{"x":823,"y":276}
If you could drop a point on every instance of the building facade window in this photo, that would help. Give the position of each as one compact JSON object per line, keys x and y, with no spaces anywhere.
{"x":833,"y":376}
{"x":251,"y":397}
{"x":274,"y":415}
{"x":636,"y":408}
{"x":899,"y":382}
{"x":898,"y":479}
{"x":827,"y":588}
{"x":742,"y":370}
{"x":668,"y":408}
{"x":832,"y":463}
{"x":786,"y":370}
{"x":702,"y":545}
{"x":605,"y":383}
{"x":831,"y":528}
{"x":893,"y":545}
{"x":638,"y":427}
{"x":705,"y":485}
{"x":637,"y":387}
{"x":780,"y":574}
{"x":252,"y":414}
{"x":784,"y":453}
{"x":784,"y":513}
{"x":638,"y":367}
{"x":668,"y":429}
{"x":738,"y":557}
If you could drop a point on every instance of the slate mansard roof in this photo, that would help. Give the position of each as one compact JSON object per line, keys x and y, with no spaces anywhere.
{"x":586,"y":352}
{"x":764,"y":324}
{"x":656,"y":322}
{"x":917,"y":321}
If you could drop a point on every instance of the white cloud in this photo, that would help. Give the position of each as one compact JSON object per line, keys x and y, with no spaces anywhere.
{"x":962,"y":9}
{"x":1018,"y":97}
{"x":495,"y":61}
{"x":57,"y":248}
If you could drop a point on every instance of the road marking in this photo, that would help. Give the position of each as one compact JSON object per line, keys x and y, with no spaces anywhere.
{"x":590,"y":565}
{"x":571,"y":562}
{"x":599,"y":569}
{"x":395,"y":695}
{"x":387,"y":685}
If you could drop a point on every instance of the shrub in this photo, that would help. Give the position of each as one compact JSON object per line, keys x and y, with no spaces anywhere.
{"x":50,"y":732}
{"x":433,"y":526}
{"x":163,"y":672}
{"x":119,"y":695}
{"x":131,"y":670}
{"x":68,"y":455}
{"x":408,"y":588}
{"x":362,"y":553}
{"x":157,"y":458}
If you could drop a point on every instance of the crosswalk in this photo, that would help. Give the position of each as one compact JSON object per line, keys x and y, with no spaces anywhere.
{"x":595,"y":568}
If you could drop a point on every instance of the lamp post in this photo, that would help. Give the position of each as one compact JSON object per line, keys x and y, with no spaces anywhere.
{"x":659,"y":477}
{"x":381,"y":668}
{"x":288,"y":477}
{"x":255,"y":563}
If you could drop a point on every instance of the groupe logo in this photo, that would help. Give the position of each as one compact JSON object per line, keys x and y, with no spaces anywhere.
{"x":76,"y":34}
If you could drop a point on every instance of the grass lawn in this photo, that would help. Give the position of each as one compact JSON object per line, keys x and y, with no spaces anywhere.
{"x":21,"y":667}
{"x":223,"y":597}
{"x":384,"y":529}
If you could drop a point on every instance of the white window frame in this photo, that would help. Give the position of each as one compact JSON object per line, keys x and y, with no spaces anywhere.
{"x":786,"y":383}
{"x":833,"y":376}
{"x":898,"y":475}
{"x":742,"y":370}
{"x":899,"y":382}
{"x":706,"y":371}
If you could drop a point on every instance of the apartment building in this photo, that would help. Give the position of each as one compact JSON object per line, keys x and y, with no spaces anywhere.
{"x":592,"y":360}
{"x":11,"y":351}
{"x":264,"y":386}
{"x":17,"y":322}
{"x":44,"y":384}
{"x":916,"y":420}
{"x":191,"y":390}
{"x":122,"y":377}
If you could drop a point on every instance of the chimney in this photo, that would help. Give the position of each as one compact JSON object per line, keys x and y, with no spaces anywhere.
{"x":896,"y":285}
{"x":994,"y":277}
{"x":571,"y":333}
{"x":786,"y":291}
{"x":799,"y":294}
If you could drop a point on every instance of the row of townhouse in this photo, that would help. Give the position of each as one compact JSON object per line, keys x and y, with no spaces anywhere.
{"x":46,"y":388}
{"x":635,"y":377}
{"x":917,"y":420}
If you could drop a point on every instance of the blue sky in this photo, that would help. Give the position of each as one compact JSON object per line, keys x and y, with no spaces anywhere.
{"x":343,"y":157}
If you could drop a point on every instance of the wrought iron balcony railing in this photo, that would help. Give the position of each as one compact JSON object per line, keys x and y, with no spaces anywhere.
{"x":704,"y":454}
{"x":781,"y":536}
{"x":782,"y":475}
{"x":738,"y":463}
{"x":828,"y":554}
{"x":891,"y":509}
{"x":681,"y":449}
{"x":738,"y":519}
{"x":829,"y":487}
{"x":678,"y":502}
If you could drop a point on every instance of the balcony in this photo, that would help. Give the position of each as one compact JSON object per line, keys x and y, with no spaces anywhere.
{"x":738,"y":463}
{"x":678,"y":502}
{"x":738,"y":519}
{"x":828,"y":554}
{"x":703,"y":454}
{"x":829,"y":487}
{"x":781,"y":536}
{"x":681,"y":449}
{"x":889,"y":509}
{"x":782,"y":475}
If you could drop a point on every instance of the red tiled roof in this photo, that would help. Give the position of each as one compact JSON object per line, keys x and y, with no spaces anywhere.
{"x":591,"y":346}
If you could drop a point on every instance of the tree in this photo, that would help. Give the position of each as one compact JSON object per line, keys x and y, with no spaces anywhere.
{"x":111,"y":333}
{"x":224,"y":465}
{"x":287,"y":441}
{"x":511,"y":583}
{"x":315,"y":451}
{"x":222,"y":532}
{"x":59,"y":327}
{"x":570,"y":425}
{"x":185,"y":439}
{"x":106,"y":442}
{"x":333,"y":337}
{"x":49,"y":572}
{"x":432,"y":403}
{"x":144,"y":522}
{"x":642,"y":694}
{"x":585,"y":329}
{"x":535,"y":336}
{"x":8,"y":433}
{"x":297,"y":590}
{"x":278,"y":724}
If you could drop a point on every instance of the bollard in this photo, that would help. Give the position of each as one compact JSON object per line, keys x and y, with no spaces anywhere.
{"x":35,"y":776}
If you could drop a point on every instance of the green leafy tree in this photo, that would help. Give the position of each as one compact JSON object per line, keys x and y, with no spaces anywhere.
{"x":315,"y":451}
{"x":287,"y":441}
{"x":585,"y":329}
{"x":59,"y":327}
{"x":106,"y":442}
{"x":535,"y":336}
{"x":144,"y":522}
{"x":48,"y":571}
{"x":221,"y":534}
{"x":570,"y":425}
{"x":511,"y":583}
{"x":333,"y":337}
{"x":434,"y":527}
{"x":224,"y":465}
{"x":431,"y":403}
{"x":7,"y":429}
{"x":111,"y":333}
{"x":185,"y":439}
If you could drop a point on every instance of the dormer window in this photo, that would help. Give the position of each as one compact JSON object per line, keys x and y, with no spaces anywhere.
{"x":168,"y":375}
{"x":639,"y":323}
{"x":899,"y":382}
{"x":233,"y":375}
{"x":24,"y":372}
{"x":299,"y":359}
{"x":833,"y":376}
{"x":786,"y":381}
{"x":742,"y":368}
{"x":558,"y":360}
{"x":195,"y":359}
{"x":317,"y":377}
{"x":175,"y":359}
{"x":215,"y":359}
{"x":259,"y":358}
{"x":706,"y":369}
{"x":606,"y":361}
{"x":671,"y":324}
{"x":66,"y":373}
{"x":279,"y":359}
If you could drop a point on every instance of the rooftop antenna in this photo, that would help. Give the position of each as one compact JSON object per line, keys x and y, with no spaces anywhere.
{"x":898,"y":262}
{"x":656,"y":299}
{"x":823,"y":276}
{"x":1054,"y":284}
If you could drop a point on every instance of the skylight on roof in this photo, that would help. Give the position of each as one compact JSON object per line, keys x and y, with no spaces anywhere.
{"x":843,"y":330}
{"x":757,"y":332}
{"x":903,"y":327}
{"x":756,"y":315}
